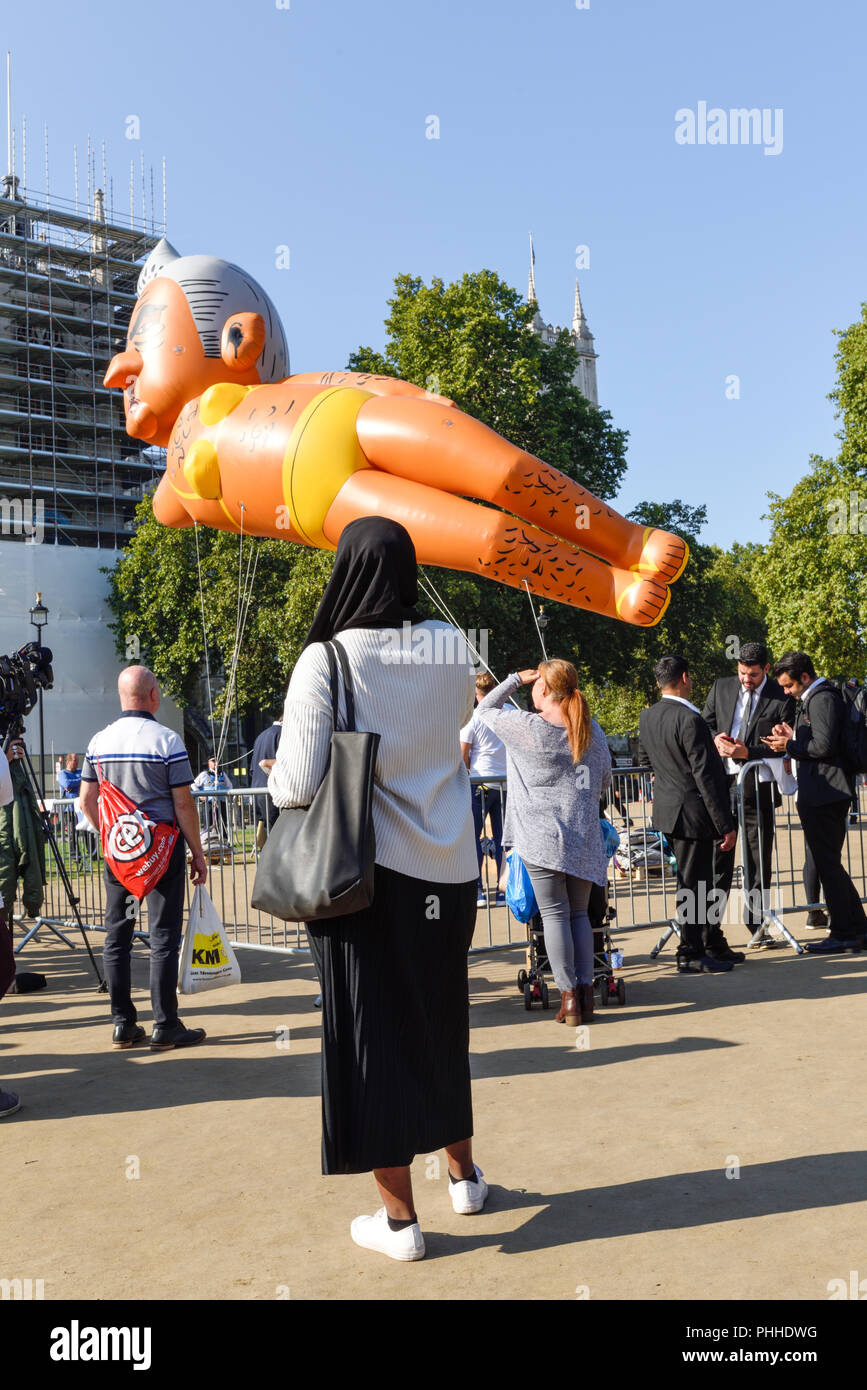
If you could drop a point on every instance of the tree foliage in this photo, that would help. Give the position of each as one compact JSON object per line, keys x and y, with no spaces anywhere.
{"x":812,"y":576}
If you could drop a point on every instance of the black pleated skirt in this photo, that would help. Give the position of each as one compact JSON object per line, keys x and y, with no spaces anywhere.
{"x":395,"y":1024}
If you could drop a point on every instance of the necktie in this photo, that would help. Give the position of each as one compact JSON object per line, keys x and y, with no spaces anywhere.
{"x":745,"y":721}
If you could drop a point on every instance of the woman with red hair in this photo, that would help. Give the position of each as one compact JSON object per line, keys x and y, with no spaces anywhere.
{"x":559,"y":767}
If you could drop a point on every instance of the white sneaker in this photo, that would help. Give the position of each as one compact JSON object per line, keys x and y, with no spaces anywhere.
{"x":374,"y":1233}
{"x":469,"y":1197}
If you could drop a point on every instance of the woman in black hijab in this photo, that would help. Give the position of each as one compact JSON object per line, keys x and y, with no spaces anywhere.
{"x":395,"y":1016}
{"x":374,"y":582}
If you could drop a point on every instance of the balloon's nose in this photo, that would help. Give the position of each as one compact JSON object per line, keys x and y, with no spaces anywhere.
{"x":121,"y":368}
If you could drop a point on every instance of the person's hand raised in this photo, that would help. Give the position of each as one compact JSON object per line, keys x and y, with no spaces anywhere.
{"x":527,"y":677}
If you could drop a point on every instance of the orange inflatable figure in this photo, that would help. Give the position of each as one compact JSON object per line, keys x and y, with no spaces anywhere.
{"x":205,"y":374}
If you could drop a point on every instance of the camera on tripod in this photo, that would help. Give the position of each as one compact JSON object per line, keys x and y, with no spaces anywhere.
{"x":22,"y":675}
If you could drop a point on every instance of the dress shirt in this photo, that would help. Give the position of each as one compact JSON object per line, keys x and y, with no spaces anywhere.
{"x":680,"y":700}
{"x":734,"y":765}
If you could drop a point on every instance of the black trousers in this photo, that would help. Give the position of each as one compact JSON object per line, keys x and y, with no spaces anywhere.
{"x":825,"y":833}
{"x":810,"y":876}
{"x":699,"y":907}
{"x":165,"y":916}
{"x":759,"y":825}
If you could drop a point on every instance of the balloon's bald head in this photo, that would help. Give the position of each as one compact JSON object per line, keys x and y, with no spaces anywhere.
{"x":138,"y":689}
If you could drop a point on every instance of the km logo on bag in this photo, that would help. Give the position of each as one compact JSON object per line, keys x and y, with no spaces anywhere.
{"x":208,"y":950}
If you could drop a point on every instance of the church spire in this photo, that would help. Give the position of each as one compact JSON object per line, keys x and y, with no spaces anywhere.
{"x":579,"y":322}
{"x":531,"y":283}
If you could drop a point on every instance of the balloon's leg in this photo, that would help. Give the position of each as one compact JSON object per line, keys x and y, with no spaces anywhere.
{"x":445,"y":448}
{"x":461,"y":535}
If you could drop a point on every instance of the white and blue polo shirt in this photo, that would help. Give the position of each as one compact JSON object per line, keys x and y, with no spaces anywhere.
{"x":141,"y":758}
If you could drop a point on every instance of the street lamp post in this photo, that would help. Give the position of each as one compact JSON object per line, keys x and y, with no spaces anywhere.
{"x":38,"y":619}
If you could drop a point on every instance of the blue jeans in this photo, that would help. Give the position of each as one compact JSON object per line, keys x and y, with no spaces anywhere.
{"x":489,"y":801}
{"x":562,"y":900}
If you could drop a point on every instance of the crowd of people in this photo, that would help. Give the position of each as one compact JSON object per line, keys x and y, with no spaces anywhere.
{"x":393,"y":976}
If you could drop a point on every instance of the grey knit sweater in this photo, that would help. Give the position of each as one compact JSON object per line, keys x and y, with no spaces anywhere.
{"x":552,"y":808}
{"x":416,"y":694}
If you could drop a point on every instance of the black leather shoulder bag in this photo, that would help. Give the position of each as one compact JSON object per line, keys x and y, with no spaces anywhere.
{"x":318,"y":860}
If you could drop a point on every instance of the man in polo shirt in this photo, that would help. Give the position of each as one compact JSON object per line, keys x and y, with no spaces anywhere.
{"x":148,"y":762}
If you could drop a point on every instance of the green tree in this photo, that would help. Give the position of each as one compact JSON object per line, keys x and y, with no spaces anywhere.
{"x":811,"y":576}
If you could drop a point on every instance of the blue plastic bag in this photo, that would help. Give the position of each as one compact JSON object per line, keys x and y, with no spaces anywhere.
{"x":610,"y":836}
{"x":520,"y":898}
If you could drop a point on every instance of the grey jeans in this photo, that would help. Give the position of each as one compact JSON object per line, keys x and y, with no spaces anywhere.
{"x":562,"y":901}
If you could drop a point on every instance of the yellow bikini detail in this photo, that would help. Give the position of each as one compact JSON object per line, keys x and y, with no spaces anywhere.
{"x":202,"y":471}
{"x":323,"y":452}
{"x":220,"y":400}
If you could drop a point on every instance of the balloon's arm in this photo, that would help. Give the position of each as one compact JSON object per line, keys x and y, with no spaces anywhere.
{"x":367,"y":381}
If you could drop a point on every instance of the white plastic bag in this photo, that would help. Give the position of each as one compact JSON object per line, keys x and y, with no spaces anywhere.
{"x":207,"y":960}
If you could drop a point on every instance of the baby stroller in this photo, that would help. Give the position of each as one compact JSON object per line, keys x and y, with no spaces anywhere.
{"x":531,"y":982}
{"x":605,"y":957}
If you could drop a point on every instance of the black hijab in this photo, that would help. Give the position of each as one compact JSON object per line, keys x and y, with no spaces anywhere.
{"x":374,"y":582}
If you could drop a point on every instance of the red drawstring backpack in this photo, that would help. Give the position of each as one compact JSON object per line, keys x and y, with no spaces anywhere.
{"x":136,"y":849}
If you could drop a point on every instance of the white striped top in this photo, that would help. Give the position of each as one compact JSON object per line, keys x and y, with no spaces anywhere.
{"x":414,"y":688}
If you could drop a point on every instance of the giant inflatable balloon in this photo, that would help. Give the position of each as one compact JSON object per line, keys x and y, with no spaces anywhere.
{"x":205,"y":374}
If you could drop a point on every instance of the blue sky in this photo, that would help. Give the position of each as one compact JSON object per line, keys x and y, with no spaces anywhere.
{"x":305,"y":127}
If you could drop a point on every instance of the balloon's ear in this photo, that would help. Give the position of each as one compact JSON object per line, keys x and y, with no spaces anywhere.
{"x":242,"y":341}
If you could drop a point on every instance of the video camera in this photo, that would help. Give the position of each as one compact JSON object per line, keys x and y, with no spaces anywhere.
{"x":22,"y":675}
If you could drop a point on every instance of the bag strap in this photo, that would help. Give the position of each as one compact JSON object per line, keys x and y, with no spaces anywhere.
{"x":332,"y":676}
{"x":347,"y":685}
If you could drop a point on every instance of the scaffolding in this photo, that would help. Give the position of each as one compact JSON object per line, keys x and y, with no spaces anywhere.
{"x":69,"y":473}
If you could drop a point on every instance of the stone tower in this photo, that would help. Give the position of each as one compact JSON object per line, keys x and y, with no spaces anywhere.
{"x":582,"y":338}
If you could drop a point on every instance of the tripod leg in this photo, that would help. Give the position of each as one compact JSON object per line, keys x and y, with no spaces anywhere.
{"x":59,"y":933}
{"x":671,"y":930}
{"x":58,"y":859}
{"x":28,"y":936}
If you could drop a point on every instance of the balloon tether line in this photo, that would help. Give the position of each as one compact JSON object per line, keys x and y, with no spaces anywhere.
{"x":439,"y":602}
{"x":536,"y":620}
{"x":205,"y":638}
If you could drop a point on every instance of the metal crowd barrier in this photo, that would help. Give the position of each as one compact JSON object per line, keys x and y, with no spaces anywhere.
{"x":227,"y":822}
{"x":642,"y":875}
{"x":643,"y":883}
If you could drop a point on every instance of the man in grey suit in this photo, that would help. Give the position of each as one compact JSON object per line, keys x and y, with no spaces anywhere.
{"x":739,"y":711}
{"x":691,"y":805}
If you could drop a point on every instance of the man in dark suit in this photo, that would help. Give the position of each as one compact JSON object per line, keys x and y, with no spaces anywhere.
{"x":826,"y":790}
{"x":739,"y":711}
{"x":692,"y":806}
{"x":262,"y":760}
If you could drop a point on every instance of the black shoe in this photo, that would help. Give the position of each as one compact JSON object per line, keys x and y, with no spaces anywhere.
{"x":726,"y":953}
{"x":711,"y":965}
{"x":9,"y":1104}
{"x":833,"y":946}
{"x":175,"y":1035}
{"x":817,"y":918}
{"x":127,"y":1035}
